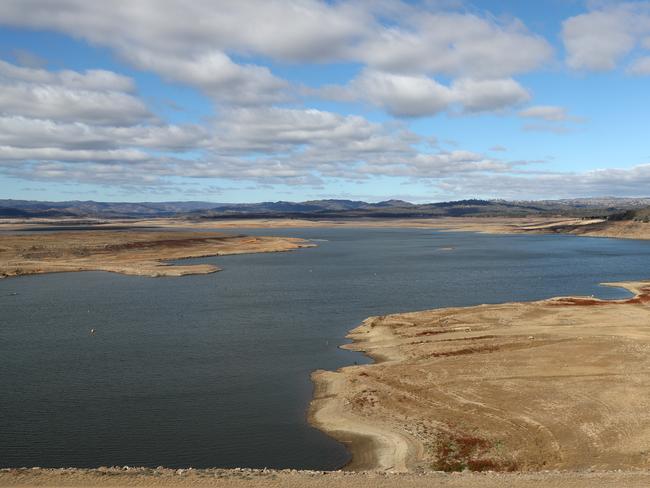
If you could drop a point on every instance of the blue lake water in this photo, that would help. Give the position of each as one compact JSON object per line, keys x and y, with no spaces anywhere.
{"x":214,"y":370}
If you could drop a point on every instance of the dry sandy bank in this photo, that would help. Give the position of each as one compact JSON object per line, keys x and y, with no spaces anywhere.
{"x":117,"y":477}
{"x":128,"y":252}
{"x":492,"y":225}
{"x":562,"y":383}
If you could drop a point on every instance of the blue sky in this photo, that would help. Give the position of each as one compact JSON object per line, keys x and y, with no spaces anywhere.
{"x":301,"y":99}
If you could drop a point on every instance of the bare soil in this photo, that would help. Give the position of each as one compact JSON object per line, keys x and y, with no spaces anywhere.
{"x":556,"y":384}
{"x":246,"y":478}
{"x":129,"y":252}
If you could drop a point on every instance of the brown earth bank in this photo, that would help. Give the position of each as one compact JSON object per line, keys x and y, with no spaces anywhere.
{"x":562,"y":383}
{"x":235,"y":478}
{"x":492,"y":225}
{"x":129,"y":252}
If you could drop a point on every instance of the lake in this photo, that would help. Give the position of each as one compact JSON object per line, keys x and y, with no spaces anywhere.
{"x":214,"y":370}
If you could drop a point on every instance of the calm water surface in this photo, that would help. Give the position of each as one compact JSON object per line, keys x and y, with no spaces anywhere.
{"x":214,"y":370}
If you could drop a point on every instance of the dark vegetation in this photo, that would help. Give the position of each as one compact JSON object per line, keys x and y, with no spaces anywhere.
{"x":462,"y":451}
{"x":612,"y":208}
{"x":636,"y":215}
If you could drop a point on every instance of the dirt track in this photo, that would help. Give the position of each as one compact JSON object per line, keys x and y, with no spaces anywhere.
{"x":305,"y":479}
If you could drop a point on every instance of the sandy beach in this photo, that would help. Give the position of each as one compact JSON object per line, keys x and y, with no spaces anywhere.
{"x":129,"y":252}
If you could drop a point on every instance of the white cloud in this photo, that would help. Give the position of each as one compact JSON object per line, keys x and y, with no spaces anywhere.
{"x":67,"y":123}
{"x":640,"y":66}
{"x":195,"y":43}
{"x":307,"y":136}
{"x":217,"y":76}
{"x":24,"y":132}
{"x":9,"y":153}
{"x":48,"y":101}
{"x":419,"y":95}
{"x":547,"y":127}
{"x":96,"y":96}
{"x":549,"y":113}
{"x":549,"y":118}
{"x":89,"y":80}
{"x":402,"y":95}
{"x":632,"y":182}
{"x":299,"y":30}
{"x":455,"y":44}
{"x":598,"y":40}
{"x":488,"y":95}
{"x":93,"y":126}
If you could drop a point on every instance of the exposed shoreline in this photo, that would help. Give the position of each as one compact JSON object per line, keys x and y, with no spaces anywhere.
{"x":392,"y":414}
{"x":489,"y":225}
{"x":128,"y":252}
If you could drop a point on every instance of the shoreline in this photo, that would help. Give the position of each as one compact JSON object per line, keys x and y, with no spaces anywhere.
{"x":379,"y":446}
{"x":356,"y":404}
{"x":129,"y":252}
{"x":595,"y":227}
{"x":373,"y":447}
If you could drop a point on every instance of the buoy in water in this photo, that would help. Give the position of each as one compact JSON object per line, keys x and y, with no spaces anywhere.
{"x":92,"y":331}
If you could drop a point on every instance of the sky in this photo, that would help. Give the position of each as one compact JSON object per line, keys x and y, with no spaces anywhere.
{"x":265,"y":100}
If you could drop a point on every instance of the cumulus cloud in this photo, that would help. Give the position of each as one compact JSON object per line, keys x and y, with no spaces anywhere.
{"x":217,"y":76}
{"x":420,"y":95}
{"x":96,"y":96}
{"x":549,"y":118}
{"x":640,"y":66}
{"x":488,"y":95}
{"x":299,"y":30}
{"x":48,"y":101}
{"x":89,"y":80}
{"x":67,"y":122}
{"x":25,"y":132}
{"x":455,"y":44}
{"x":599,"y":39}
{"x":401,"y":95}
{"x":93,"y":127}
{"x":549,"y":113}
{"x":281,"y":129}
{"x":195,"y":43}
{"x":631,"y":182}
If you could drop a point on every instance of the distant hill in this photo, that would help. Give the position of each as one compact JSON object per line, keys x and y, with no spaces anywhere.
{"x":613,"y":208}
{"x":34,"y":208}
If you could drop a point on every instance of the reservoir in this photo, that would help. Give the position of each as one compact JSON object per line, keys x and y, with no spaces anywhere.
{"x":214,"y":370}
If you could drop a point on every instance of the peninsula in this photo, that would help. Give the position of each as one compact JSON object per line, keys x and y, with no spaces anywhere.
{"x":553,"y":384}
{"x":131,"y":252}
